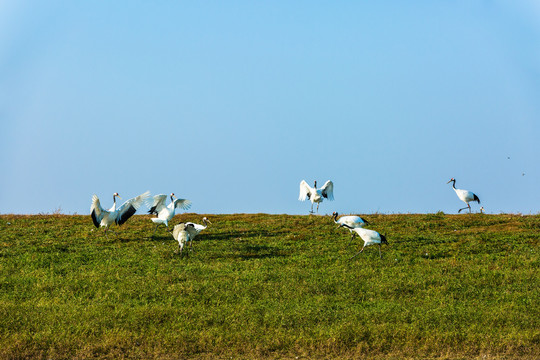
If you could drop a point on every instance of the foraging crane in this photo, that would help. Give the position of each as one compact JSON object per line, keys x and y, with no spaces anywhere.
{"x":197,"y":228}
{"x":166,"y":213}
{"x":181,"y":233}
{"x":370,"y":237}
{"x":105,"y":218}
{"x":351,"y":222}
{"x":316,"y":195}
{"x":464,"y":195}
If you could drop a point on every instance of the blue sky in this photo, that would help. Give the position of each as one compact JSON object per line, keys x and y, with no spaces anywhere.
{"x":232,"y":104}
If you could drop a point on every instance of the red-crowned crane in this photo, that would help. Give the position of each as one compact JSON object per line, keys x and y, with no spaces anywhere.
{"x":197,"y":228}
{"x":350,"y":222}
{"x":464,"y":195}
{"x":182,"y":233}
{"x":316,"y":195}
{"x":164,"y":212}
{"x":370,"y":237}
{"x":105,"y":218}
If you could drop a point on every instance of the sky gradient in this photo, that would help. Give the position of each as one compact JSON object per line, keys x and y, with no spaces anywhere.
{"x":232,"y":104}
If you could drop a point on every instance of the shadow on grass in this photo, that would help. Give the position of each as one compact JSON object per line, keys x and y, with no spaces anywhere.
{"x":248,"y":234}
{"x":127,"y":239}
{"x":208,"y":236}
{"x":424,"y":240}
{"x":160,"y":238}
{"x":436,"y":255}
{"x":252,"y":252}
{"x":258,"y":252}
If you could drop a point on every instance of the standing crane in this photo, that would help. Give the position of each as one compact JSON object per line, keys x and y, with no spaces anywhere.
{"x":197,"y":228}
{"x":165,"y":213}
{"x":370,"y":237}
{"x":181,"y":233}
{"x":350,"y":222}
{"x":105,"y":218}
{"x":464,"y":195}
{"x":316,"y":195}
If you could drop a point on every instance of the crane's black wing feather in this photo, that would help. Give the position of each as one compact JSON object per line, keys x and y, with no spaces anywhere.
{"x":125,"y":215}
{"x":94,"y":218}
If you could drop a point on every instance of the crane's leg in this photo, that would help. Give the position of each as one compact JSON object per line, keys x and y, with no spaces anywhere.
{"x":467,"y":207}
{"x":352,"y":237}
{"x":311,"y":212}
{"x":358,"y":253}
{"x":180,"y":247}
{"x":107,"y":232}
{"x":317,"y":208}
{"x":151,"y":237}
{"x":380,"y":251}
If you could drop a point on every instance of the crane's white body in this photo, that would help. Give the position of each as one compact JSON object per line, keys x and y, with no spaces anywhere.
{"x":464,"y":195}
{"x":316,"y":195}
{"x":353,"y":221}
{"x":197,"y":228}
{"x":349,"y":222}
{"x":181,"y":233}
{"x":370,"y":237}
{"x":105,"y":218}
{"x":165,"y":213}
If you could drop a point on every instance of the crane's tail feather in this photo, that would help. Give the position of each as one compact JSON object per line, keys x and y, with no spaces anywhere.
{"x":476,"y":198}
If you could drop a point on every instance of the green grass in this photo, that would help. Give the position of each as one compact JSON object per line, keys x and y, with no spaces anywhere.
{"x":271,"y":286}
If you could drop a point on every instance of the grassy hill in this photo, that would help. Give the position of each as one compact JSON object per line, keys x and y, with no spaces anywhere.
{"x":271,"y":286}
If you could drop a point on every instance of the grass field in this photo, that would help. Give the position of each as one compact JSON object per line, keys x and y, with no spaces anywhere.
{"x":271,"y":286}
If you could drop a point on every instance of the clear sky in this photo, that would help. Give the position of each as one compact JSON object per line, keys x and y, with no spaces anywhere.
{"x":232,"y":103}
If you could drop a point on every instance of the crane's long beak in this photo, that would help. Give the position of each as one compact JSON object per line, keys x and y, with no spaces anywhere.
{"x":449,"y":182}
{"x":118,"y":196}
